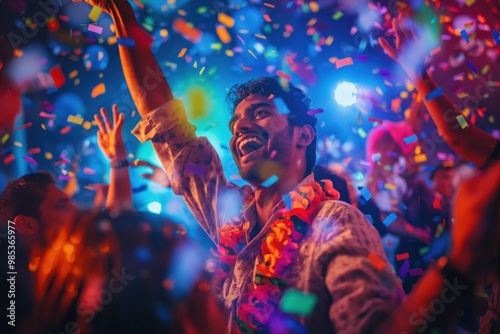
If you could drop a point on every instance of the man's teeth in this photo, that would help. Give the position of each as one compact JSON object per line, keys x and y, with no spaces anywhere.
{"x":250,"y":144}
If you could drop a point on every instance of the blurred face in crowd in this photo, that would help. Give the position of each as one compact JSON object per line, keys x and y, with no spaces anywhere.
{"x":389,"y":151}
{"x":56,"y":209}
{"x":443,"y":182}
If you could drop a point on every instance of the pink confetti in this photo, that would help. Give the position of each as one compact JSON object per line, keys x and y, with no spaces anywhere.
{"x":30,"y":160}
{"x":88,"y":171}
{"x":96,"y":29}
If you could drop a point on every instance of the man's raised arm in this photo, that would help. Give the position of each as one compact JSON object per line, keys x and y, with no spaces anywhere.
{"x":146,"y":82}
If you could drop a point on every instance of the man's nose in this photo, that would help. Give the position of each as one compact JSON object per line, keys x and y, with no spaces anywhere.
{"x":243,"y":126}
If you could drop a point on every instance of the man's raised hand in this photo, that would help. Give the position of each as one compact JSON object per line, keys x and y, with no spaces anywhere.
{"x":109,"y":136}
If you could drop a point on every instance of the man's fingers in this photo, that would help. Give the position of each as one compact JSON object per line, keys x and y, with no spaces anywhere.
{"x":387,"y":47}
{"x":105,"y":116}
{"x":115,"y":114}
{"x":100,"y":125}
{"x":397,"y":29}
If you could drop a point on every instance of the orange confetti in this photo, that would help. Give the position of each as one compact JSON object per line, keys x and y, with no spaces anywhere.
{"x":187,"y":30}
{"x":182,"y":53}
{"x":98,"y":90}
{"x":396,"y":104}
{"x":267,"y":18}
{"x":284,"y":75}
{"x":226,"y":20}
{"x":223,"y":34}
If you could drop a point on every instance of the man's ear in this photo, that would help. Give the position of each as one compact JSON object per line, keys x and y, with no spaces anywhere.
{"x":306,"y":135}
{"x":26,"y":224}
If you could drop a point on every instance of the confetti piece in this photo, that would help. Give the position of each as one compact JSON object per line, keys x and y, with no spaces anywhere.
{"x":416,"y":272}
{"x":127,"y":42}
{"x":424,"y":250}
{"x":365,"y":193}
{"x":226,"y":20}
{"x":343,"y":62}
{"x":24,"y":126}
{"x":88,"y":171}
{"x":53,"y":24}
{"x":58,"y":76}
{"x":140,"y":189}
{"x":5,"y":138}
{"x":96,"y":29}
{"x":267,"y":18}
{"x":396,"y":104}
{"x":270,"y":181}
{"x":18,"y":53}
{"x":496,"y":36}
{"x":402,"y":256}
{"x":65,"y":130}
{"x":284,"y":75}
{"x":370,"y":219}
{"x":420,"y":158}
{"x":46,"y":115}
{"x":463,"y":122}
{"x":464,"y":35}
{"x":438,"y":92}
{"x":223,"y":34}
{"x":8,"y":159}
{"x":408,"y":140}
{"x":377,"y":262}
{"x":389,"y":186}
{"x":376,"y":157}
{"x":75,"y":119}
{"x":472,"y":67}
{"x":187,"y":30}
{"x":390,"y":219}
{"x":337,"y":15}
{"x":34,"y":150}
{"x":315,"y":111}
{"x":94,"y":14}
{"x":48,"y":156}
{"x":403,"y":271}
{"x":182,"y":53}
{"x":98,"y":90}
{"x":361,"y":133}
{"x":64,"y":177}
{"x":298,"y":303}
{"x":30,"y":160}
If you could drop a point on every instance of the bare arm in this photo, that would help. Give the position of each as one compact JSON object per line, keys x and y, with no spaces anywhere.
{"x":470,"y":142}
{"x":145,"y":80}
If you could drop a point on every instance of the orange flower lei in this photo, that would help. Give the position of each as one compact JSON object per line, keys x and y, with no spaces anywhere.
{"x":278,"y":250}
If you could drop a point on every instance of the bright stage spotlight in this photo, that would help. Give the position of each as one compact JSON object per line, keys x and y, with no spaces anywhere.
{"x":345,"y":94}
{"x":154,"y":207}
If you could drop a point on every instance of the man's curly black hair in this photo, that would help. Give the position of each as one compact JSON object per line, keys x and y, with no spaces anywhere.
{"x":294,"y":98}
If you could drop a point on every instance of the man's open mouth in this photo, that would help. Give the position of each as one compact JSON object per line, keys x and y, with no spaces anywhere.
{"x":249,"y":145}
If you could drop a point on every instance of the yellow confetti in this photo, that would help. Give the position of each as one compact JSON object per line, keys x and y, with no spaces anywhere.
{"x":314,"y":6}
{"x":420,"y":158}
{"x":48,"y":156}
{"x":75,"y":119}
{"x":202,"y":70}
{"x":73,"y":74}
{"x":5,"y":137}
{"x":94,"y":14}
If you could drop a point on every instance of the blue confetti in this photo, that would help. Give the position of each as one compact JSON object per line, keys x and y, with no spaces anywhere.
{"x":270,"y":181}
{"x":403,"y":206}
{"x":376,"y":157}
{"x":128,"y":42}
{"x":390,"y":219}
{"x":472,"y":67}
{"x":496,"y":36}
{"x":370,"y":219}
{"x":288,"y":201}
{"x":365,"y":193}
{"x":411,"y":139}
{"x":140,"y":188}
{"x":434,"y":94}
{"x":464,"y":35}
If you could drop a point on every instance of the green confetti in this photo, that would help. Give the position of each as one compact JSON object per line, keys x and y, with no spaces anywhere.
{"x":462,"y":121}
{"x":337,"y":15}
{"x":298,"y":303}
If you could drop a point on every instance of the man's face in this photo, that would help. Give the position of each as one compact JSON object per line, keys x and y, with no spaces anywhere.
{"x":260,"y":134}
{"x":443,"y":182}
{"x":56,"y":210}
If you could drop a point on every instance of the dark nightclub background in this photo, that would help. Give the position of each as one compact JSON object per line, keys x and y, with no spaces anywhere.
{"x":66,"y":67}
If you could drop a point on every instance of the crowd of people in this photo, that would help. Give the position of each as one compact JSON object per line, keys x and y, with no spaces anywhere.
{"x":309,"y":251}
